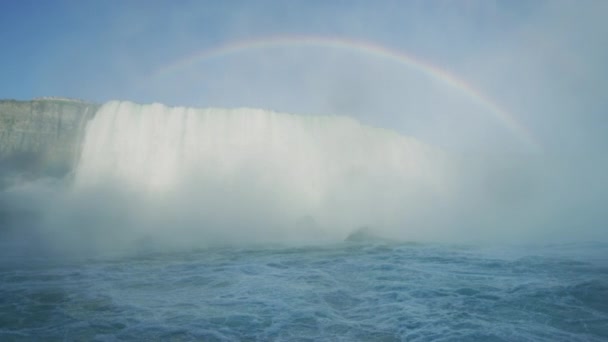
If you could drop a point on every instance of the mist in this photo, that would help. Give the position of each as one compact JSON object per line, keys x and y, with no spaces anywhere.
{"x":155,"y":178}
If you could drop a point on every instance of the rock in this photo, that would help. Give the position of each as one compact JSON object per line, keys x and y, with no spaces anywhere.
{"x":41,"y":137}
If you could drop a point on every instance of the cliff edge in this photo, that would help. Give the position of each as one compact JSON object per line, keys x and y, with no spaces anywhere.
{"x":42,"y":137}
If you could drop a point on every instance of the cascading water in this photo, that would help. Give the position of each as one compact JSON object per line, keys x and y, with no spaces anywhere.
{"x":256,"y":174}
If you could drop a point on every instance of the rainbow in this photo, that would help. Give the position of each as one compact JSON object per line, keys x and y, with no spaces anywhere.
{"x":359,"y":46}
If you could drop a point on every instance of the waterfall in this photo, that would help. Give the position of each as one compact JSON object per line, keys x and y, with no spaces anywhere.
{"x":225,"y":171}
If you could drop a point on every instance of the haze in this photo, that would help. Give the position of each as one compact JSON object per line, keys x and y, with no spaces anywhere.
{"x":542,"y":63}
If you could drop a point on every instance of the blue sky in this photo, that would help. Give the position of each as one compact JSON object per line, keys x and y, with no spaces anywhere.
{"x":544,"y":61}
{"x":96,"y":49}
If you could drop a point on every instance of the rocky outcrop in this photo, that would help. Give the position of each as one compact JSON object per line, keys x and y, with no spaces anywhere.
{"x":42,"y":137}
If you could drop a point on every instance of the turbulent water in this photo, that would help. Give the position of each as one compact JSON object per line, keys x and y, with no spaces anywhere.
{"x":353,"y":291}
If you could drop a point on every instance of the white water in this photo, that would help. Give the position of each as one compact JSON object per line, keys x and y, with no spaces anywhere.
{"x":254,"y":174}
